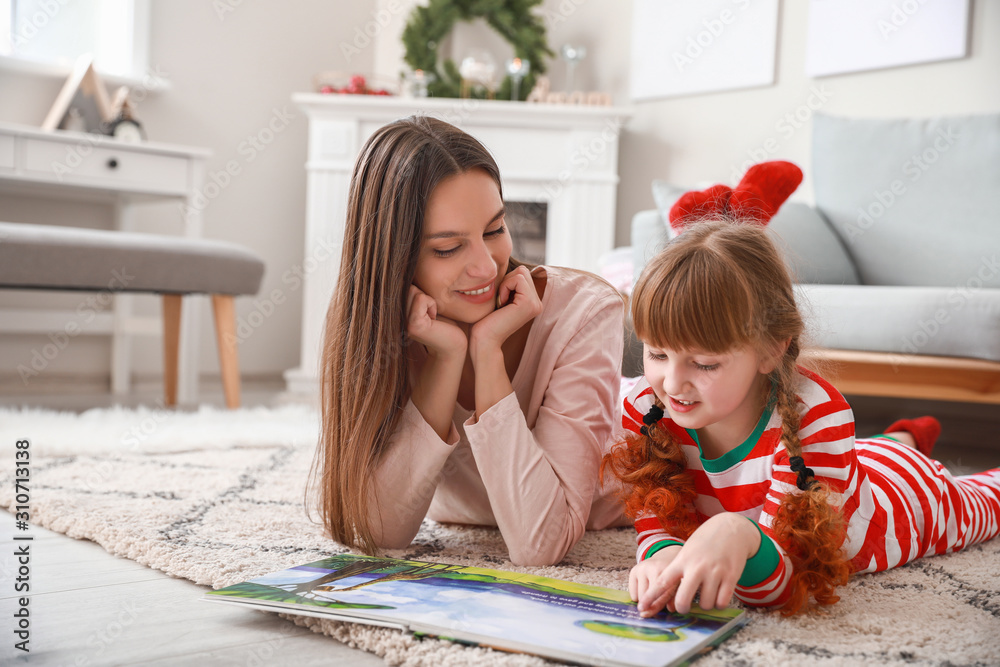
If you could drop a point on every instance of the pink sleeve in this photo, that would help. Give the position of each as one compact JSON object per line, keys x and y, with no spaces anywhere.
{"x":541,"y":481}
{"x":407,"y":477}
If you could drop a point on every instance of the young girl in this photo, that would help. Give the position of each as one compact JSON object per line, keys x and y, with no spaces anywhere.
{"x":458,"y":383}
{"x":741,"y":470}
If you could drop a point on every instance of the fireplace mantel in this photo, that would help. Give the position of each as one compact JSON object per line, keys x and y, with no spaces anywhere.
{"x":565,"y":156}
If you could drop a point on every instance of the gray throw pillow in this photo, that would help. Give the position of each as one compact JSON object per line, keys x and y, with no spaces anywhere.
{"x":666,"y":195}
{"x":813,"y":251}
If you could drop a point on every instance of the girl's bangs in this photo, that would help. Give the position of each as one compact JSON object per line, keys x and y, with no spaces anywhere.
{"x":690,"y":305}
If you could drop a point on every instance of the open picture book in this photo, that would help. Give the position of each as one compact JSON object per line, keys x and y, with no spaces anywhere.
{"x":552,"y":618}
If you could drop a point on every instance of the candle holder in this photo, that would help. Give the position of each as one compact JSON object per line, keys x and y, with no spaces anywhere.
{"x":477,"y":70}
{"x":517,"y":69}
{"x":417,"y":82}
{"x":572,"y":55}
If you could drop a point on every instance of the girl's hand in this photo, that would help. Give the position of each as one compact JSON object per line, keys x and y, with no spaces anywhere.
{"x":519,"y":304}
{"x":710,"y":564}
{"x":441,"y":336}
{"x":645,"y":574}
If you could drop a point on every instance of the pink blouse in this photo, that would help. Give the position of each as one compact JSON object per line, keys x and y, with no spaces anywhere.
{"x":530,"y":464}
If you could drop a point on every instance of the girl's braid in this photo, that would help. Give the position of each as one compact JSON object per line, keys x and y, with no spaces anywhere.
{"x":806,"y":524}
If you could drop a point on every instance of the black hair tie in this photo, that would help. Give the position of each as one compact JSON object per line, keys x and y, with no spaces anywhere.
{"x":654,"y":415}
{"x":806,"y":477}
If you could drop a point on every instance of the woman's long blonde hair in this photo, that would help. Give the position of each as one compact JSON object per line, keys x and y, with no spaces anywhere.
{"x":718,"y":286}
{"x":364,"y":374}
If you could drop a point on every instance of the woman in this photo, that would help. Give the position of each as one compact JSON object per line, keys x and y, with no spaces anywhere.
{"x":458,"y":383}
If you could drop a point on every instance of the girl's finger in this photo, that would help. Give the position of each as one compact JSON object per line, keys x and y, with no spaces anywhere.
{"x":725,"y":595}
{"x":709,"y":592}
{"x":684,"y":596}
{"x":659,"y":591}
{"x":633,"y":586}
{"x":642,"y":585}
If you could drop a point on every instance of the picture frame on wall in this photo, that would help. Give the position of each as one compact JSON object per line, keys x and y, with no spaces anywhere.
{"x":848,"y":36}
{"x":693,"y":48}
{"x":83,"y":104}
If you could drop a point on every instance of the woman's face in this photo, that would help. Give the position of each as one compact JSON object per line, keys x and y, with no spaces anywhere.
{"x":465,"y":249}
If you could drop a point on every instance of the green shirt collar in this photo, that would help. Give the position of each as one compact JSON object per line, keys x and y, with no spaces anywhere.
{"x":734,"y":456}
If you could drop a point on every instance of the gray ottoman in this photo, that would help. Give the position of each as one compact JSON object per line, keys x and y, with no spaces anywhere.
{"x":67,"y":258}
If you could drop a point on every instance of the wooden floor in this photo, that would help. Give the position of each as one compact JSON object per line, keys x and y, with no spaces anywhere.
{"x":88,"y":607}
{"x":91,"y":608}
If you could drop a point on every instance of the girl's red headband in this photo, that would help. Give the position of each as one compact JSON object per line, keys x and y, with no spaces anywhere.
{"x":756,"y":198}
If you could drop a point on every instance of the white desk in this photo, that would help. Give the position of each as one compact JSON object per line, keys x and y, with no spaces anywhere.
{"x":86,"y":166}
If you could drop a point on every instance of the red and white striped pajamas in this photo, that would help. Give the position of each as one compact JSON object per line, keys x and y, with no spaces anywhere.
{"x":899,"y":504}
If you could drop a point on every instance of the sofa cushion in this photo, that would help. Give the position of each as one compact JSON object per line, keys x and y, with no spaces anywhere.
{"x":649,"y":233}
{"x":813,"y":251}
{"x":71,"y":258}
{"x":914,"y":200}
{"x":666,"y":195}
{"x":944,"y":321}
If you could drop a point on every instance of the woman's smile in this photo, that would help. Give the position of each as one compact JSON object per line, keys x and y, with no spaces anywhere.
{"x":466,"y":248}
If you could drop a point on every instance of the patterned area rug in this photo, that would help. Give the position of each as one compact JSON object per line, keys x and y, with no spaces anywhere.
{"x":217,"y":498}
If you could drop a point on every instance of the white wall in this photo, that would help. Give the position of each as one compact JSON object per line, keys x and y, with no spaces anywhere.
{"x":229,"y":73}
{"x":709,"y":138}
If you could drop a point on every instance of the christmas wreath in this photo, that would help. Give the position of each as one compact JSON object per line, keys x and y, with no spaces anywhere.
{"x":513,"y":19}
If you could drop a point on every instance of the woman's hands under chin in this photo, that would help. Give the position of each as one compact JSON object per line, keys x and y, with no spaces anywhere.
{"x":520,"y":304}
{"x":441,"y":336}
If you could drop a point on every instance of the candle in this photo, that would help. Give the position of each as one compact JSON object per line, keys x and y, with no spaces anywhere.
{"x":517,"y":69}
{"x":418,"y":82}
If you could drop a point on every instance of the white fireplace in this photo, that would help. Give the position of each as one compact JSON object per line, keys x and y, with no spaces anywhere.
{"x":563,"y":156}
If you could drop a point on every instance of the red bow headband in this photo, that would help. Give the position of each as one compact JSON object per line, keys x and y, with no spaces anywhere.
{"x":756,"y":198}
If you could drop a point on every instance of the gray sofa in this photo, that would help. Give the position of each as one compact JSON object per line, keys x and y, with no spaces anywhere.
{"x":898,"y":262}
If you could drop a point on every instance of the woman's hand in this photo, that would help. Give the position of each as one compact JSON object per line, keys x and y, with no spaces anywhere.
{"x":710,"y":564}
{"x":441,"y":336}
{"x":518,"y":305}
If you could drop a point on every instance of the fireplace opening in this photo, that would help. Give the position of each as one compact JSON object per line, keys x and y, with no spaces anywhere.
{"x":526,"y":222}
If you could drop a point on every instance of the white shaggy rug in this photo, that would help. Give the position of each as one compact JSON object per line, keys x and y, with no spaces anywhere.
{"x":217,"y":497}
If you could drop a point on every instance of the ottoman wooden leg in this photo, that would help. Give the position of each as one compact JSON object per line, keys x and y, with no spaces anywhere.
{"x":171,"y":345}
{"x":224,"y":308}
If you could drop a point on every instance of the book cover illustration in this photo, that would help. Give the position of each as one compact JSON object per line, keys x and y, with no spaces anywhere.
{"x":507,"y":610}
